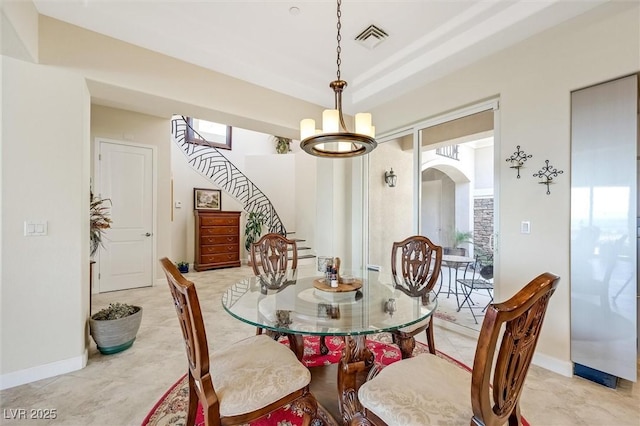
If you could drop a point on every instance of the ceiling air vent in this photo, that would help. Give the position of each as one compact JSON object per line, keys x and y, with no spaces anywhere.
{"x":372,"y":36}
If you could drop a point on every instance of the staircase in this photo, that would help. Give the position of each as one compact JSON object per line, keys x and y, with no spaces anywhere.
{"x":304,"y":252}
{"x":212,"y":164}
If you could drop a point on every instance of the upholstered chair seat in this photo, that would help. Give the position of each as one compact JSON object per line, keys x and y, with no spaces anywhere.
{"x":262,"y":372}
{"x":429,"y":390}
{"x":442,"y":398}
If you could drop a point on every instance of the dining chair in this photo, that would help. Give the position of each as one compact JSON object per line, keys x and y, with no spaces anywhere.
{"x":476,"y":277}
{"x":271,"y":264}
{"x":419,"y":261}
{"x":429,"y":389}
{"x":274,"y":258}
{"x":242,"y":382}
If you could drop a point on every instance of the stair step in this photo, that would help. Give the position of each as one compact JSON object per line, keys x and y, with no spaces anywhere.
{"x":306,"y":256}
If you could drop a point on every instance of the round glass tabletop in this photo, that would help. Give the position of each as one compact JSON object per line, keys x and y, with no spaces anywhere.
{"x":308,"y":305}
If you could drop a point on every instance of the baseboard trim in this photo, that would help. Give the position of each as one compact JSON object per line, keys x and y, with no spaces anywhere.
{"x":45,"y":371}
{"x":451,"y":326}
{"x":564,"y":368}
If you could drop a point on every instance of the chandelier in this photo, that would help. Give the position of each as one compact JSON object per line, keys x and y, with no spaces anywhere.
{"x":334,"y":140}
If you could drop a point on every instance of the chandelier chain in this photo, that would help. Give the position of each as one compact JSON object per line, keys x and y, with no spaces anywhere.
{"x":339,"y":38}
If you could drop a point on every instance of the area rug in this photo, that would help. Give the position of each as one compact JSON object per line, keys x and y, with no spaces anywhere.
{"x":171,"y":409}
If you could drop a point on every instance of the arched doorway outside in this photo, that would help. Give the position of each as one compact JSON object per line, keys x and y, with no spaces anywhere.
{"x":466,"y":129}
{"x":457,"y":197}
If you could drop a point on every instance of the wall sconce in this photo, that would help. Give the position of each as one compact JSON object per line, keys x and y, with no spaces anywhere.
{"x":517,"y":159}
{"x":546,"y":174}
{"x":390,"y":178}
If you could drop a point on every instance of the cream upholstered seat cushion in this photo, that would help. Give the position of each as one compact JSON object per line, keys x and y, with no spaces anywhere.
{"x":255,"y":372}
{"x":419,"y":391}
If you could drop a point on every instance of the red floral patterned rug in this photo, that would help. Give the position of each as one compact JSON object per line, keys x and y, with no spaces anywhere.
{"x":171,"y":409}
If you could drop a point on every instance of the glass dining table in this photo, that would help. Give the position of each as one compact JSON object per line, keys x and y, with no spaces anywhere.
{"x":364,"y":303}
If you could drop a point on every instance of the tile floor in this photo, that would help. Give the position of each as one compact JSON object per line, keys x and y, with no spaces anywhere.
{"x":120,"y":389}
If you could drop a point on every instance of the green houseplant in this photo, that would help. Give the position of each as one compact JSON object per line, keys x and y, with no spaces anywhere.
{"x":460,"y":238}
{"x":115,"y":327}
{"x":99,"y":221}
{"x":253,"y":228}
{"x":283,"y":145}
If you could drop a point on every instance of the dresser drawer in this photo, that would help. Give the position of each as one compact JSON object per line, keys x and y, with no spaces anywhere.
{"x":217,"y":240}
{"x":219,"y":248}
{"x":219,"y":258}
{"x":220,"y":221}
{"x":219,"y":230}
{"x":221,"y":239}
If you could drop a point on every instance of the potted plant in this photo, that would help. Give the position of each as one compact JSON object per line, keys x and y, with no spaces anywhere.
{"x":183,"y":267}
{"x":283,"y":145}
{"x":115,"y":327}
{"x":459,"y":238}
{"x":253,"y":229}
{"x":99,"y":221}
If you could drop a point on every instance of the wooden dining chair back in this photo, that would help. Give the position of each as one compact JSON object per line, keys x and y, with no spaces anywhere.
{"x":420,"y":261}
{"x":280,"y":381}
{"x":187,"y":305}
{"x":415,"y":268}
{"x":521,"y":317}
{"x":273,"y":258}
{"x":404,"y":392}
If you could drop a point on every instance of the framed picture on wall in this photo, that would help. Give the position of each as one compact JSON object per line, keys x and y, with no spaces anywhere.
{"x":207,"y":199}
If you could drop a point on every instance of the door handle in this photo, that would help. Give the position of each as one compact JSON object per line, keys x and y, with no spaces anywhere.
{"x":148,"y":234}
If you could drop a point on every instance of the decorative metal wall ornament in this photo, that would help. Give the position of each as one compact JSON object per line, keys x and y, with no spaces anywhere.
{"x":547,"y":173}
{"x":517,"y":159}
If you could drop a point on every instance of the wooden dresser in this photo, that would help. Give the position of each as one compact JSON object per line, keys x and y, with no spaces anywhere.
{"x":217,"y":240}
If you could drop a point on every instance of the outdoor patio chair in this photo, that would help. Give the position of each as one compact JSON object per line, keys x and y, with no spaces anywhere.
{"x":476,"y":278}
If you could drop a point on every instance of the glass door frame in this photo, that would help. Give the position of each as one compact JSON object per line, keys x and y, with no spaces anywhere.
{"x":415,"y":130}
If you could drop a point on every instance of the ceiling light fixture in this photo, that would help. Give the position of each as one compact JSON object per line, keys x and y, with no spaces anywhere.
{"x":334,"y":140}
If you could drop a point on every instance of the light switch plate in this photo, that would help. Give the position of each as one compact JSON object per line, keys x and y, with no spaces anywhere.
{"x":525,"y":227}
{"x":35,"y":228}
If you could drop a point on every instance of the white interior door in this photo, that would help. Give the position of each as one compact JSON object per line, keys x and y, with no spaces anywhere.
{"x":125,"y":175}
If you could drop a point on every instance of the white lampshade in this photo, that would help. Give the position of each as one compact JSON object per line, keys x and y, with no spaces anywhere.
{"x":307,"y":128}
{"x":363,"y":123}
{"x":330,"y":121}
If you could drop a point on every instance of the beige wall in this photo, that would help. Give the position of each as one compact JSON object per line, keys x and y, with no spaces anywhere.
{"x":131,"y":127}
{"x":390,"y":209}
{"x":19,"y":30}
{"x":122,"y":75}
{"x":533,"y":81}
{"x":45,"y":177}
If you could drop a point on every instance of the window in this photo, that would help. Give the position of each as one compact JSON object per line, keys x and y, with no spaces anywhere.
{"x":202,"y":132}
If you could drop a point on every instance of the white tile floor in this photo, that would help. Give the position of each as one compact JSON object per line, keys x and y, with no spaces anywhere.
{"x":120,"y":389}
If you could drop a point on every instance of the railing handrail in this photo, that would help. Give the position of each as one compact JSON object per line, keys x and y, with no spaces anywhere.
{"x":251,"y":197}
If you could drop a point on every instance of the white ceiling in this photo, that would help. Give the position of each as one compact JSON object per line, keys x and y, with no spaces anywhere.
{"x":265,"y":43}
